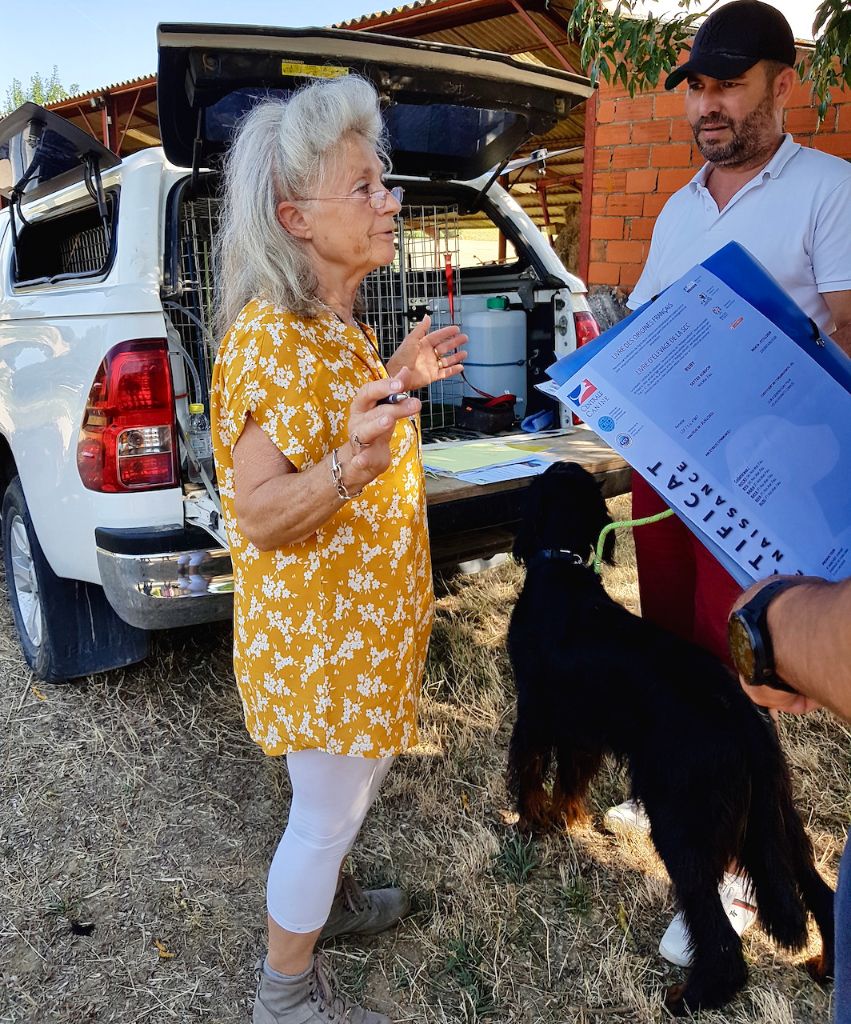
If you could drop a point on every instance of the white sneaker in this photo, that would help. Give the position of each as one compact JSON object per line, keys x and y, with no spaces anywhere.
{"x":629,"y":816}
{"x":739,"y":906}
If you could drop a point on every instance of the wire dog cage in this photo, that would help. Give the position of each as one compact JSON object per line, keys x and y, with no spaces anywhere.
{"x":423,"y":278}
{"x":84,"y":252}
{"x":192,"y":316}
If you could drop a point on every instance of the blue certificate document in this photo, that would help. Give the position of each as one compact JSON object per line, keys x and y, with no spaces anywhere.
{"x":743,"y":434}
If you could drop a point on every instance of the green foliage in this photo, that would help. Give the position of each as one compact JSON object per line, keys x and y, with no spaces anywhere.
{"x":41,"y":90}
{"x":575,"y":896}
{"x":621,"y":44}
{"x":830,"y":66}
{"x":466,"y":967}
{"x":61,"y":906}
{"x":517,"y":859}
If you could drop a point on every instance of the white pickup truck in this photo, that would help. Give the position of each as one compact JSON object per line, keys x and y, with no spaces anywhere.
{"x":105,"y":289}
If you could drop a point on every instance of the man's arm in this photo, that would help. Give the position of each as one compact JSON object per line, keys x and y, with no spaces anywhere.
{"x":810,"y":628}
{"x":839,"y":304}
{"x":830,"y":254}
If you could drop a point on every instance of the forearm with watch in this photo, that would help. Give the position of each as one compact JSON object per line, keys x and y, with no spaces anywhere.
{"x":794,"y":634}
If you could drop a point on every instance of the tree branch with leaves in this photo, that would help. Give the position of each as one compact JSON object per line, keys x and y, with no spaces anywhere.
{"x":41,"y":90}
{"x":627,"y":42}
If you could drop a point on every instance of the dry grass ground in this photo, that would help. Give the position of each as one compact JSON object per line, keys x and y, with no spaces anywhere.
{"x":137,"y":822}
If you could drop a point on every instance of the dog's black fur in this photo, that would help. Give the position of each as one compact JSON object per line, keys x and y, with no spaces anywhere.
{"x":593,"y":679}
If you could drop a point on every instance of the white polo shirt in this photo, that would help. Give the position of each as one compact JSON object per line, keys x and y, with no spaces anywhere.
{"x":794,"y":217}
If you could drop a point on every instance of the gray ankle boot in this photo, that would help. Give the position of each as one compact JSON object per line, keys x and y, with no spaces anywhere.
{"x":355,"y":911}
{"x":307,"y":999}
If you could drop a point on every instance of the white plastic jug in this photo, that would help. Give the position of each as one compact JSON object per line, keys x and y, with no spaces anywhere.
{"x":496,"y":352}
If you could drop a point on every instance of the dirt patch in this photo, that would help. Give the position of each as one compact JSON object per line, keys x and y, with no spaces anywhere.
{"x":137,"y":822}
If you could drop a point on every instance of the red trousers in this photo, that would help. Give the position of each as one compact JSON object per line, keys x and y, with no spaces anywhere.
{"x":682,"y":587}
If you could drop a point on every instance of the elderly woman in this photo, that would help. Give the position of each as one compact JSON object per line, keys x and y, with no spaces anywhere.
{"x":318,"y":460}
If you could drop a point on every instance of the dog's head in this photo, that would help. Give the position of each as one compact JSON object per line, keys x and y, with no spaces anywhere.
{"x":564,"y":510}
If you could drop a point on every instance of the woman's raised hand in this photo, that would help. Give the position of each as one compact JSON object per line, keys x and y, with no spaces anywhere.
{"x":429,"y":356}
{"x":371,"y":426}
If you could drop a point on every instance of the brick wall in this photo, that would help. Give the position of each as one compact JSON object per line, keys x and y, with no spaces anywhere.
{"x":644,"y":151}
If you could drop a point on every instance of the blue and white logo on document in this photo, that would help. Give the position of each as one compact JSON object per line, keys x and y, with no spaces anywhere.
{"x":582,"y":392}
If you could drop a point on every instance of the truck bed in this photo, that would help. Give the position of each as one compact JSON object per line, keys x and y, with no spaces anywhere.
{"x":472,"y":521}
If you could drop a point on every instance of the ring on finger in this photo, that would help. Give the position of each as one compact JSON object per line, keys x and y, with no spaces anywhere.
{"x":357,"y":444}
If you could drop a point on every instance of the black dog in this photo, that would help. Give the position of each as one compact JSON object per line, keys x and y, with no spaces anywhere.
{"x":594,"y":679}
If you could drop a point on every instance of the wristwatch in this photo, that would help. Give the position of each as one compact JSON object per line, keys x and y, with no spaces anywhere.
{"x":750,"y":641}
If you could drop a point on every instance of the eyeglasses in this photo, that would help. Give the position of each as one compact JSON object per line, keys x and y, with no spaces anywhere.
{"x":377,"y":200}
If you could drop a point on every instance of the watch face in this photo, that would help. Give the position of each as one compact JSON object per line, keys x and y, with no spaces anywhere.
{"x":741,"y":648}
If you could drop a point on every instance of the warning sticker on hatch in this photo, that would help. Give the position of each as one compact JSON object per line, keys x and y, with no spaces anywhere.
{"x":294,"y":69}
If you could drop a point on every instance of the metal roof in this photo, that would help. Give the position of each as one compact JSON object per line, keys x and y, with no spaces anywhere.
{"x":531,"y":30}
{"x":116,"y":87}
{"x":355,"y":23}
{"x":123,"y":115}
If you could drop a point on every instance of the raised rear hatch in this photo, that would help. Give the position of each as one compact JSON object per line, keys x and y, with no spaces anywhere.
{"x":451,"y":112}
{"x":41,"y":152}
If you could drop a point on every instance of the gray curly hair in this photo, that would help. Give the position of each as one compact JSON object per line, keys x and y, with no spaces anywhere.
{"x":281,"y":151}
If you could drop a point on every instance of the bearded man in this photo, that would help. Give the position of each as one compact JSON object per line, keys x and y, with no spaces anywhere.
{"x":790,"y":207}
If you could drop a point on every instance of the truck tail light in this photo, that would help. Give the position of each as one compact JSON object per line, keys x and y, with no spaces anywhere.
{"x":587,"y":329}
{"x":127,"y":441}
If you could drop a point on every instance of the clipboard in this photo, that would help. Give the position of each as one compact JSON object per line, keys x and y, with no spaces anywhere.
{"x":736,"y":267}
{"x":744,"y":274}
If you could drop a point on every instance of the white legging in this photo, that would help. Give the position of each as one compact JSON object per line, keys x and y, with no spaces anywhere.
{"x":331,"y":795}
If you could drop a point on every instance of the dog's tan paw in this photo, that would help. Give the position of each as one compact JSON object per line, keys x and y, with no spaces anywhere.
{"x":674,"y":1002}
{"x":571,"y":812}
{"x":820,"y":969}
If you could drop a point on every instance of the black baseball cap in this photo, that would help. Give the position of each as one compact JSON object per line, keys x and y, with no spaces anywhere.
{"x":734,"y":38}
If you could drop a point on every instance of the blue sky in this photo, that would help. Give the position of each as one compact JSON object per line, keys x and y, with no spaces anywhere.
{"x":95,"y":43}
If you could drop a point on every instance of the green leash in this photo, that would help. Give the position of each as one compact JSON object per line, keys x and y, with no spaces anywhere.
{"x":598,"y":554}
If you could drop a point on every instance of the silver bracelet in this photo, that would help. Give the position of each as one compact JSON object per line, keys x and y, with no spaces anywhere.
{"x":337,"y":479}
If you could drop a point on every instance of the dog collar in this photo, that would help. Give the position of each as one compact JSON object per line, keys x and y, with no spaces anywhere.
{"x":556,"y":554}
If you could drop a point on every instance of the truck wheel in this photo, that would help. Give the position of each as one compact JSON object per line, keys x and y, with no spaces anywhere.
{"x":67,"y":628}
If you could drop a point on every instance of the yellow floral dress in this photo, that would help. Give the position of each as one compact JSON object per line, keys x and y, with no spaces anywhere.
{"x":330,"y":634}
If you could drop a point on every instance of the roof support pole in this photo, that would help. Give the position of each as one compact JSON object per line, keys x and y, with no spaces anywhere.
{"x":129,"y":119}
{"x":545,"y":210}
{"x":104,"y":124}
{"x":88,"y":123}
{"x":501,"y":252}
{"x":587,"y":186}
{"x":550,"y":45}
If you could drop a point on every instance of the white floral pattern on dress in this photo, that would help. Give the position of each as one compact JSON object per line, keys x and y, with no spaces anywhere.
{"x":330,"y":634}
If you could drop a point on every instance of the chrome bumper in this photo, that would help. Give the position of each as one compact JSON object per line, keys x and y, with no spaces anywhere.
{"x":162,"y":590}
